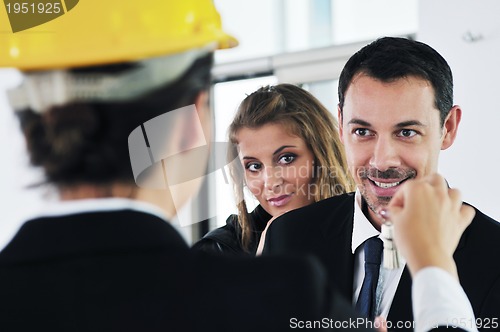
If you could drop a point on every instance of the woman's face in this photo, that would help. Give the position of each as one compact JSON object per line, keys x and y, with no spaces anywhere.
{"x":278,"y":167}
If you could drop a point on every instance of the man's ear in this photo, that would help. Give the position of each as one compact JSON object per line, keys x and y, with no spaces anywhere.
{"x":339,"y":118}
{"x":450,"y":126}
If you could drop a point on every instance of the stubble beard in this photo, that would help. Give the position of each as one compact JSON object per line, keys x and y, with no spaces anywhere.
{"x":374,"y":203}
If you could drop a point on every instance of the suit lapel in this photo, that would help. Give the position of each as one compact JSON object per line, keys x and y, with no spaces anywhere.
{"x":322,"y":229}
{"x":337,"y":236}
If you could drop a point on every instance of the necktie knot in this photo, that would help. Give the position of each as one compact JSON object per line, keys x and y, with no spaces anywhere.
{"x":373,"y":250}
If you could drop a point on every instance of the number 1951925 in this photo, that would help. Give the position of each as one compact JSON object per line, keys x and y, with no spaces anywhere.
{"x":32,"y":8}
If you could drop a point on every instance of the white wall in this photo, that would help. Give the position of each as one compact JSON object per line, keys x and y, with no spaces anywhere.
{"x":471,"y":164}
{"x":360,"y":20}
{"x":16,"y":201}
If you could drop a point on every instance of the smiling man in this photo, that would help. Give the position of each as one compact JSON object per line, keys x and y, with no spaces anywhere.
{"x":396,"y":114}
{"x":390,"y":135}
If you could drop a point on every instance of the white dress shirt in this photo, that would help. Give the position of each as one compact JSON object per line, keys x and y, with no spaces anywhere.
{"x":439,"y":300}
{"x":68,"y":207}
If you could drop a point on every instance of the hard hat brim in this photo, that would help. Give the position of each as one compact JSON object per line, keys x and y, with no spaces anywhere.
{"x":97,"y":33}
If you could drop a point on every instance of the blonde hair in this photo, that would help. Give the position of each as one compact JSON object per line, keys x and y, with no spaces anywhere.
{"x":302,"y":115}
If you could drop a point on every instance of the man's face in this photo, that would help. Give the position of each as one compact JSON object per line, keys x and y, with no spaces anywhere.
{"x":391,"y":133}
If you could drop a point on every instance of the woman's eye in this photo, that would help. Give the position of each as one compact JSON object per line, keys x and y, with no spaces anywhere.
{"x":253,"y":167}
{"x":287,"y":159}
{"x":407,"y":133}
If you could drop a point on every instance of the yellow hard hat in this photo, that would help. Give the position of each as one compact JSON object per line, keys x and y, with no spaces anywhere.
{"x":94,"y":32}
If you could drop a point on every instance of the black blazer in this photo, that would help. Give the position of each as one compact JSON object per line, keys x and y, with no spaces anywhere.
{"x":324,"y":229}
{"x":131,"y":271}
{"x":227,"y":239}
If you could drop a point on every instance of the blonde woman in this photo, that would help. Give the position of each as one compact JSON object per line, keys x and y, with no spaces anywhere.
{"x":290,"y":156}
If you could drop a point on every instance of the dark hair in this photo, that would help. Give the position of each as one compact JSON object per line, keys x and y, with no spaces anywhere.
{"x":390,"y":58}
{"x":302,"y":115}
{"x":88,"y":142}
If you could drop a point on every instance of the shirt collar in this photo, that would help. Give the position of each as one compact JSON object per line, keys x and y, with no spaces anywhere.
{"x":362,"y":227}
{"x":61,"y":208}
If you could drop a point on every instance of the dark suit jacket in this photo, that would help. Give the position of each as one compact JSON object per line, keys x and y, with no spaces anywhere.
{"x":324,"y":229}
{"x":227,"y":239}
{"x":131,"y":271}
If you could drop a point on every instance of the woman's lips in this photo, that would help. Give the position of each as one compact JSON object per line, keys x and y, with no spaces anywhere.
{"x":280,"y":200}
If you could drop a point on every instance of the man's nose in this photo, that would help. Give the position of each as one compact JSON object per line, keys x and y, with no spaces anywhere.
{"x":385,"y":154}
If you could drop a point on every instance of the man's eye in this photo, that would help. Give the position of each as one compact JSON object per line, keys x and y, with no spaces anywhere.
{"x":407,"y":133}
{"x":362,"y":132}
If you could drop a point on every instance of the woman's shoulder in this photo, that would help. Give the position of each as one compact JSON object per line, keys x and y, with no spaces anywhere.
{"x":227,"y":239}
{"x":224,"y":239}
{"x":259,"y":217}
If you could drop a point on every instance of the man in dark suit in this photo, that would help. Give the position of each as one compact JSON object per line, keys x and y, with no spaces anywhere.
{"x":395,"y":114}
